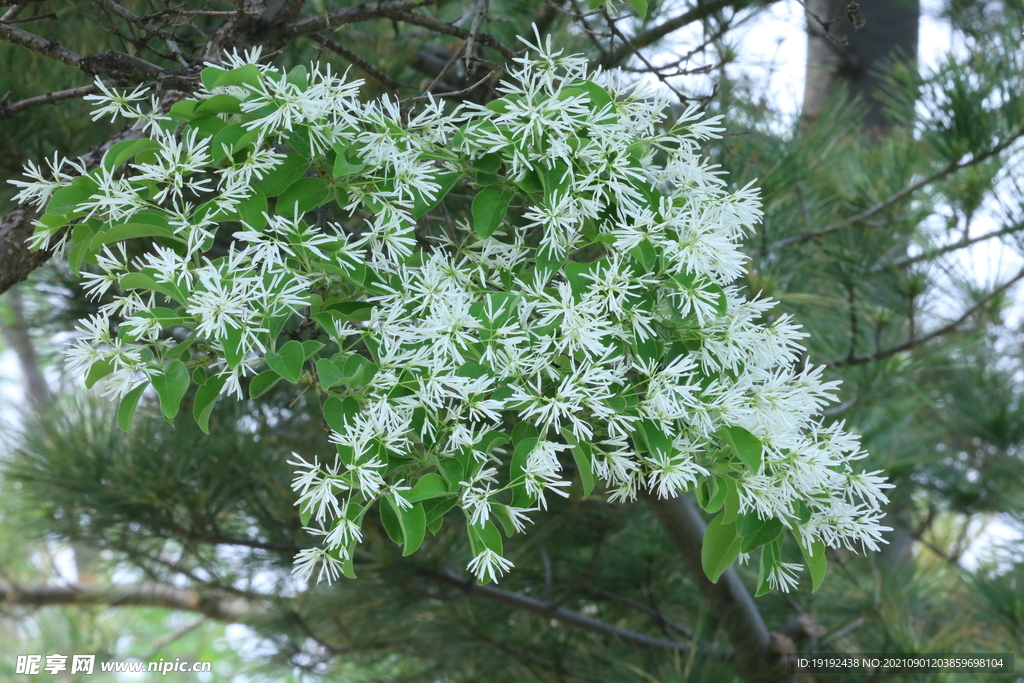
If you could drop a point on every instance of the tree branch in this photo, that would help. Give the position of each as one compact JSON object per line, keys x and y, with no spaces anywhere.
{"x":917,"y":341}
{"x":950,"y":168}
{"x":701,"y":11}
{"x":361,"y":12}
{"x":373,"y":71}
{"x":441,"y":27}
{"x":9,"y":110}
{"x":213,"y":604}
{"x":732,"y":602}
{"x":956,"y":246}
{"x":41,"y":45}
{"x":564,"y":615}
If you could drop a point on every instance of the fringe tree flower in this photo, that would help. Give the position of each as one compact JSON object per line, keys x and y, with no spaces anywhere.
{"x":579,"y":319}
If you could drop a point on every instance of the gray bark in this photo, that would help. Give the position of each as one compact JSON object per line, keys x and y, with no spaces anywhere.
{"x":889,"y":31}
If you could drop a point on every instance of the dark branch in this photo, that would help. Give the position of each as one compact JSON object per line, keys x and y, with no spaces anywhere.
{"x":441,"y":27}
{"x":701,"y":11}
{"x":897,"y":197}
{"x":944,"y":330}
{"x":9,"y":110}
{"x":564,"y":615}
{"x":213,"y":604}
{"x":373,"y":71}
{"x":362,"y":12}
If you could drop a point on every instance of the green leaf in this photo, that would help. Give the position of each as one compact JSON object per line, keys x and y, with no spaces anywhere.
{"x":233,"y":348}
{"x":219,"y":104}
{"x":486,"y":537}
{"x":436,"y":510}
{"x":502,"y":514}
{"x":358,"y":371}
{"x":337,"y":411}
{"x":128,"y":231}
{"x":768,"y":532}
{"x":599,"y":99}
{"x":583,"y":454}
{"x":205,"y":399}
{"x":234,"y":137}
{"x":184,"y":109}
{"x":346,"y":164}
{"x":817,"y":563}
{"x":392,"y":524}
{"x":657,"y":440}
{"x":489,"y":209}
{"x":720,"y":548}
{"x":64,"y":200}
{"x":488,"y":163}
{"x":210,"y":75}
{"x":284,"y":174}
{"x":640,"y":6}
{"x":594,"y":4}
{"x":717,"y":499}
{"x":414,"y":527}
{"x":288,"y":361}
{"x":328,"y":373}
{"x":126,"y":411}
{"x":98,"y":371}
{"x":123,"y":151}
{"x":555,"y":180}
{"x":208,"y":125}
{"x":262,"y":383}
{"x":745,"y":445}
{"x":171,"y":387}
{"x":732,"y":500}
{"x":421,"y":205}
{"x":305,"y":194}
{"x":245,"y":75}
{"x":430,"y":485}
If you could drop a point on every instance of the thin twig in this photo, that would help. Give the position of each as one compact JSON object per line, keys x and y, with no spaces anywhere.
{"x":340,"y":49}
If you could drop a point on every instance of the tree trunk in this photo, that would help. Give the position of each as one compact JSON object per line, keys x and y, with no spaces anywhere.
{"x":889,"y":32}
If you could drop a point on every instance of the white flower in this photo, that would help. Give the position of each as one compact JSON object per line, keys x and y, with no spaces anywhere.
{"x":782,"y":576}
{"x":114,"y":102}
{"x":489,"y":565}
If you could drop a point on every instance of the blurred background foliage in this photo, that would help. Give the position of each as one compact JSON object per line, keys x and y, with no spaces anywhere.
{"x":868,"y":239}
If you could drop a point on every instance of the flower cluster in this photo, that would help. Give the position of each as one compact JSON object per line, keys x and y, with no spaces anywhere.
{"x":579,"y":316}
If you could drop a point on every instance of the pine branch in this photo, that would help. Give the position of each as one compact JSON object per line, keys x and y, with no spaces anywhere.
{"x":956,"y":246}
{"x":942,"y":331}
{"x":897,"y":197}
{"x":213,"y":604}
{"x":566,"y":616}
